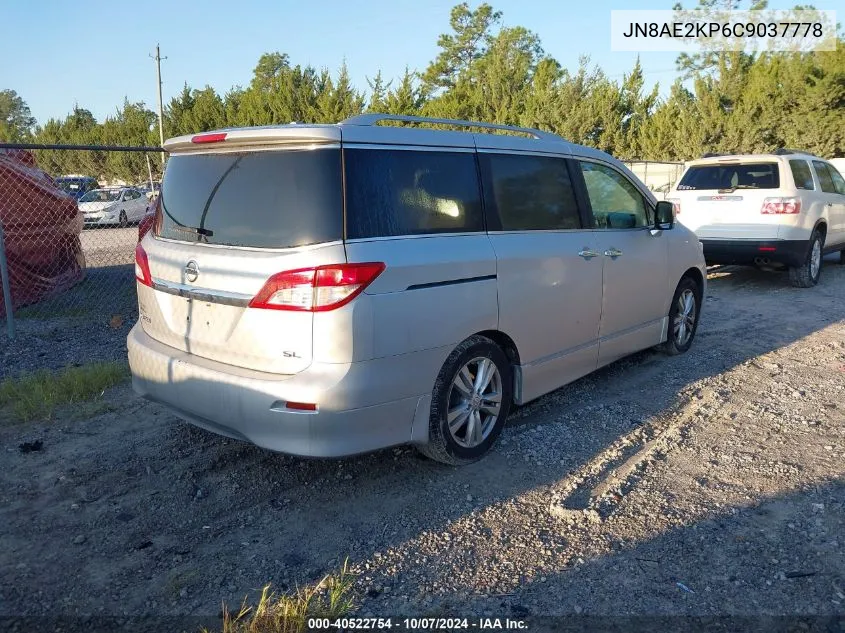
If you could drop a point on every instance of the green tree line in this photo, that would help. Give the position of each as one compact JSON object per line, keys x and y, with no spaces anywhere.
{"x":486,"y":70}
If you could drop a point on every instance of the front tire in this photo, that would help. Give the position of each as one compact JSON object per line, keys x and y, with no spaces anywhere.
{"x":807,"y":274}
{"x":471,"y":399}
{"x":123,"y":222}
{"x":683,"y":317}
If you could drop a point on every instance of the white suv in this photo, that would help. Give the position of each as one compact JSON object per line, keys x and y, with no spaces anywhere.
{"x":780,"y":209}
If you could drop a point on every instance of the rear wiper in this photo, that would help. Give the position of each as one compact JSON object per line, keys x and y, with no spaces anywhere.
{"x":193,"y":229}
{"x":732,"y":189}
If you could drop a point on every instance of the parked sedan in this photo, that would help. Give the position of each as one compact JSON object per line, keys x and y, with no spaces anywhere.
{"x":118,"y":207}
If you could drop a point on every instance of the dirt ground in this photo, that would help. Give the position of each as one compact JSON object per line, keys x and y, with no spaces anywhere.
{"x":711,"y":483}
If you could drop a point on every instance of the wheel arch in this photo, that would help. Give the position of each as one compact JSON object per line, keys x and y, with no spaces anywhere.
{"x":511,"y":350}
{"x":694,"y":274}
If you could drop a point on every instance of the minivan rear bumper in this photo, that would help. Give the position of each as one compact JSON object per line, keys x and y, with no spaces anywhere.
{"x":750,"y":252}
{"x":252,"y":406}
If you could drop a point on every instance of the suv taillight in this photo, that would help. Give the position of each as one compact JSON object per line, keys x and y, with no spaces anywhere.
{"x":316,"y":289}
{"x":142,"y":267}
{"x":676,"y":205}
{"x":781,"y":206}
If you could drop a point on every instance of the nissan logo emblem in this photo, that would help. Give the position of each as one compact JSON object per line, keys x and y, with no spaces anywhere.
{"x":192,"y":271}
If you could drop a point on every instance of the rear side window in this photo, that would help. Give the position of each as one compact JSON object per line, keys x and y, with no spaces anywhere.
{"x":731,"y":176}
{"x":825,"y":179}
{"x":529,"y":192}
{"x":801,"y":174}
{"x":838,"y":180}
{"x":407,"y":192}
{"x":269,"y":199}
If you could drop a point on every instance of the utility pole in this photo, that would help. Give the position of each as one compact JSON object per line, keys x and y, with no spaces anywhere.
{"x":158,"y":59}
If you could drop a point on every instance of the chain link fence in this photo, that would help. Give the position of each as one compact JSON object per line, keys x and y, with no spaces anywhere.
{"x":658,"y":176}
{"x":69,"y":220}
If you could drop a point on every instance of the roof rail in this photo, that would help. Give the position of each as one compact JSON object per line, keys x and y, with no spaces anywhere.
{"x":374,"y":118}
{"x":783,"y":151}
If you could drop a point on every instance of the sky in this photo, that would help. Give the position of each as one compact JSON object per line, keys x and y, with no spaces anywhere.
{"x":95,"y":53}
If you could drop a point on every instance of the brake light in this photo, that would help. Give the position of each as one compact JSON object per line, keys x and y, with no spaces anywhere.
{"x":142,"y":266}
{"x":209,"y":138}
{"x":316,"y":289}
{"x":781,"y":206}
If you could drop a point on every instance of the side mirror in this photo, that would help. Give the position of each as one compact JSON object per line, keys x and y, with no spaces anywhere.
{"x":664,"y":215}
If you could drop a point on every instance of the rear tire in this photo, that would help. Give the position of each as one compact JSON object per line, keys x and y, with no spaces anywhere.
{"x":807,"y":274}
{"x":683,"y":317}
{"x":473,"y":391}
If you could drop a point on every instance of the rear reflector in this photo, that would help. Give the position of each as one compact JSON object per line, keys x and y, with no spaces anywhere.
{"x":209,"y":138}
{"x":142,"y":266}
{"x":316,"y":289}
{"x":781,"y":206}
{"x":767,"y":249}
{"x":301,"y":406}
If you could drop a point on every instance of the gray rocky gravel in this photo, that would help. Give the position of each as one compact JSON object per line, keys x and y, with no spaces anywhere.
{"x":711,"y":483}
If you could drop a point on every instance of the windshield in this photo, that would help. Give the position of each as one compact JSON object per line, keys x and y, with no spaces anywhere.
{"x":270,"y":199}
{"x":731,"y":176}
{"x":100,"y":195}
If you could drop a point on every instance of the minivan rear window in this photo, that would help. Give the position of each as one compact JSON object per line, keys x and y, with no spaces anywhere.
{"x":731,"y":176}
{"x":409,"y":192}
{"x":263,"y":199}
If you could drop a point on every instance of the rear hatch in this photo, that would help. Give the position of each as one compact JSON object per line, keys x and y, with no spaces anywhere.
{"x":723,"y":199}
{"x":226,"y":222}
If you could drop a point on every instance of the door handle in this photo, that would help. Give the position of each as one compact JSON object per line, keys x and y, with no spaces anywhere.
{"x":587,"y":254}
{"x":612,"y":253}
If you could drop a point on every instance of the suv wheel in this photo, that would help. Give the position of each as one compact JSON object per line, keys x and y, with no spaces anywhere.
{"x":683,"y":317}
{"x":470,"y":402}
{"x":807,"y":274}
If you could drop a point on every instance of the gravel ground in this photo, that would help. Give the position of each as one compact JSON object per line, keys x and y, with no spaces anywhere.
{"x":711,"y":483}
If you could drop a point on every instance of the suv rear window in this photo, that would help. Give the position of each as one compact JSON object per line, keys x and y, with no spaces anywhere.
{"x":265,"y":199}
{"x":731,"y":176}
{"x":408,"y":192}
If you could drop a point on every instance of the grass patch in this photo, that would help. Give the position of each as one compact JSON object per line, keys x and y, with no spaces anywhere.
{"x":35,"y":396}
{"x":288,"y":613}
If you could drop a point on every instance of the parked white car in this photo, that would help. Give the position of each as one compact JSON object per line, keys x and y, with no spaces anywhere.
{"x":785,"y":209}
{"x":120,"y":206}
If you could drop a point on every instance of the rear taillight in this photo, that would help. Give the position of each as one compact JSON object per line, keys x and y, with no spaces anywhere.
{"x":316,"y":289}
{"x":145,"y":225}
{"x":142,"y":267}
{"x":676,"y":205}
{"x":781,"y":206}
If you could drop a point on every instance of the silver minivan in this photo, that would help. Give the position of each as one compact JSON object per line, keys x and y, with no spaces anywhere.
{"x":327,"y":290}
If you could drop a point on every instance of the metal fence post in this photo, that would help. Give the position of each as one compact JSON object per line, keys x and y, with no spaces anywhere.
{"x":7,"y":291}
